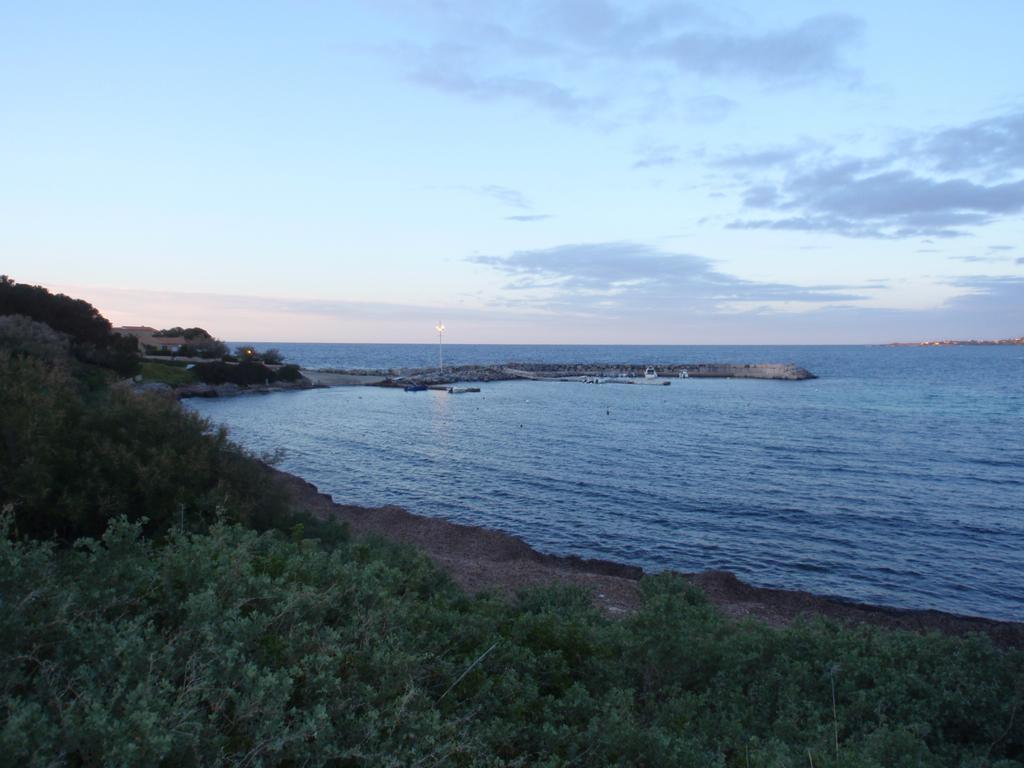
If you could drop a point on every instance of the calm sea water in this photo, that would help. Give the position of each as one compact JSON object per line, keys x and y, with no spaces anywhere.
{"x":896,"y":478}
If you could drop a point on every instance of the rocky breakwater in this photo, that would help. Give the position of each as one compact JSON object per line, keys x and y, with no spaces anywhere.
{"x":579,"y":371}
{"x":776,"y":371}
{"x":773,"y":371}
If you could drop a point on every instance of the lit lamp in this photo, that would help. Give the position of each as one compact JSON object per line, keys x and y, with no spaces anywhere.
{"x":440,"y":345}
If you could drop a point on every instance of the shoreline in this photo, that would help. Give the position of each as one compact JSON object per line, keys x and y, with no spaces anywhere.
{"x":480,"y":559}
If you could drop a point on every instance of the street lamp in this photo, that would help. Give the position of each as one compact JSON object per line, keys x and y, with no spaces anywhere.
{"x":440,"y":345}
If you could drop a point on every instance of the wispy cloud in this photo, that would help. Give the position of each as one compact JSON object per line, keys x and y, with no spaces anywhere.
{"x":505,"y":195}
{"x":994,"y":145}
{"x":988,"y":307}
{"x":529,"y":217}
{"x":573,"y":57}
{"x":980,"y":259}
{"x":897,"y":195}
{"x":619,"y":275}
{"x":657,"y":156}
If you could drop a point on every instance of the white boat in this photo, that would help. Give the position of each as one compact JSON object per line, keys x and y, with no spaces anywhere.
{"x":684,"y":374}
{"x":650,"y":373}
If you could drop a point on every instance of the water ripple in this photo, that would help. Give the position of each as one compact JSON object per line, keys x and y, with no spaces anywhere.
{"x":895,"y":478}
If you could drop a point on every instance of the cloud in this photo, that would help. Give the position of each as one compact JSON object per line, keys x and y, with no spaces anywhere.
{"x":892,"y":204}
{"x":1001,"y":247}
{"x":571,"y":57}
{"x":878,"y":197}
{"x":989,"y":307}
{"x":763,"y":196}
{"x":709,"y":109}
{"x":505,"y":195}
{"x":1020,"y":260}
{"x":657,"y":156}
{"x":454,"y":71}
{"x":620,"y":275}
{"x":980,"y":259}
{"x":810,"y":50}
{"x":994,"y":145}
{"x":763,"y":159}
{"x":529,"y":217}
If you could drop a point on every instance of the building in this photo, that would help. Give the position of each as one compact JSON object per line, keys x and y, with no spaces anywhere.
{"x":149,"y":343}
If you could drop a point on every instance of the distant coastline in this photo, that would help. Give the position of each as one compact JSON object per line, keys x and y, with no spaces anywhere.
{"x":960,"y":343}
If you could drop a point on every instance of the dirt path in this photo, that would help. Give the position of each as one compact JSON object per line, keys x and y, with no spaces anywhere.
{"x":480,"y":559}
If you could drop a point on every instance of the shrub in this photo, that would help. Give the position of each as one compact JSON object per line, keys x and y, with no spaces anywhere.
{"x":271,"y":356}
{"x":23,"y":336}
{"x":167,"y":373}
{"x":210,"y":349}
{"x":92,"y":339}
{"x":289,"y":373}
{"x":244,"y":374}
{"x":69,"y":463}
{"x":232,"y":647}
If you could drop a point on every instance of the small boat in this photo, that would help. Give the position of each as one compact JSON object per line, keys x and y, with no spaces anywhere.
{"x":462,"y":390}
{"x":683,"y":373}
{"x":415,"y":388}
{"x":650,"y":373}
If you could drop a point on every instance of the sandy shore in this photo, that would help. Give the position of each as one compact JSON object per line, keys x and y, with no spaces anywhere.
{"x":479,"y":559}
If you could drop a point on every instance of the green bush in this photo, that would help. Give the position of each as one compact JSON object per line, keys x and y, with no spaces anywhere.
{"x":71,"y":459}
{"x":289,"y":373}
{"x":167,"y":373}
{"x":232,"y":648}
{"x":246,"y":373}
{"x":92,"y":339}
{"x":23,"y":336}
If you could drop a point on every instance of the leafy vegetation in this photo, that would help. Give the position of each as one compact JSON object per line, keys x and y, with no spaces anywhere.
{"x":233,"y":647}
{"x":245,"y":373}
{"x":91,"y":337}
{"x":189,"y":334}
{"x":161,"y":604}
{"x":167,"y":373}
{"x":198,"y":343}
{"x":72,"y":457}
{"x":268,"y":356}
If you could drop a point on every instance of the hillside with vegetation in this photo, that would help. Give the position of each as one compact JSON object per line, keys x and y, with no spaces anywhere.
{"x":164,"y":603}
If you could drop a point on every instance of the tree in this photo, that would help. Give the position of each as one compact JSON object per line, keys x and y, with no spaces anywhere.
{"x":92,"y":338}
{"x":272,"y":356}
{"x":208,"y":348}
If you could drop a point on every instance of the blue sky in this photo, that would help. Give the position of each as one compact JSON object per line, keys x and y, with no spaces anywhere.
{"x":792,"y":172}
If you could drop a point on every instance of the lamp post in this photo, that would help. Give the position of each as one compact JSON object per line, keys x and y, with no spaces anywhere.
{"x":440,"y":346}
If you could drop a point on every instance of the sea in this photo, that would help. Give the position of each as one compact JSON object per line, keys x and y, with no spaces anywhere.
{"x":895,"y":478}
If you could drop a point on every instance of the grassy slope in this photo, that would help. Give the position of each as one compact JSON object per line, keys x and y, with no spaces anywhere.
{"x":167,"y":373}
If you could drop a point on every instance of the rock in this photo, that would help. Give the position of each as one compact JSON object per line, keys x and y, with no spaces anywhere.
{"x":153,"y":387}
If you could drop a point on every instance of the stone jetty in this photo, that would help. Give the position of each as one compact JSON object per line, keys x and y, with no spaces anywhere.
{"x":572,"y":371}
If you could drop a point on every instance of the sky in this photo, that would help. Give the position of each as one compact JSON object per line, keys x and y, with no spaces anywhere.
{"x":566,"y":171}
